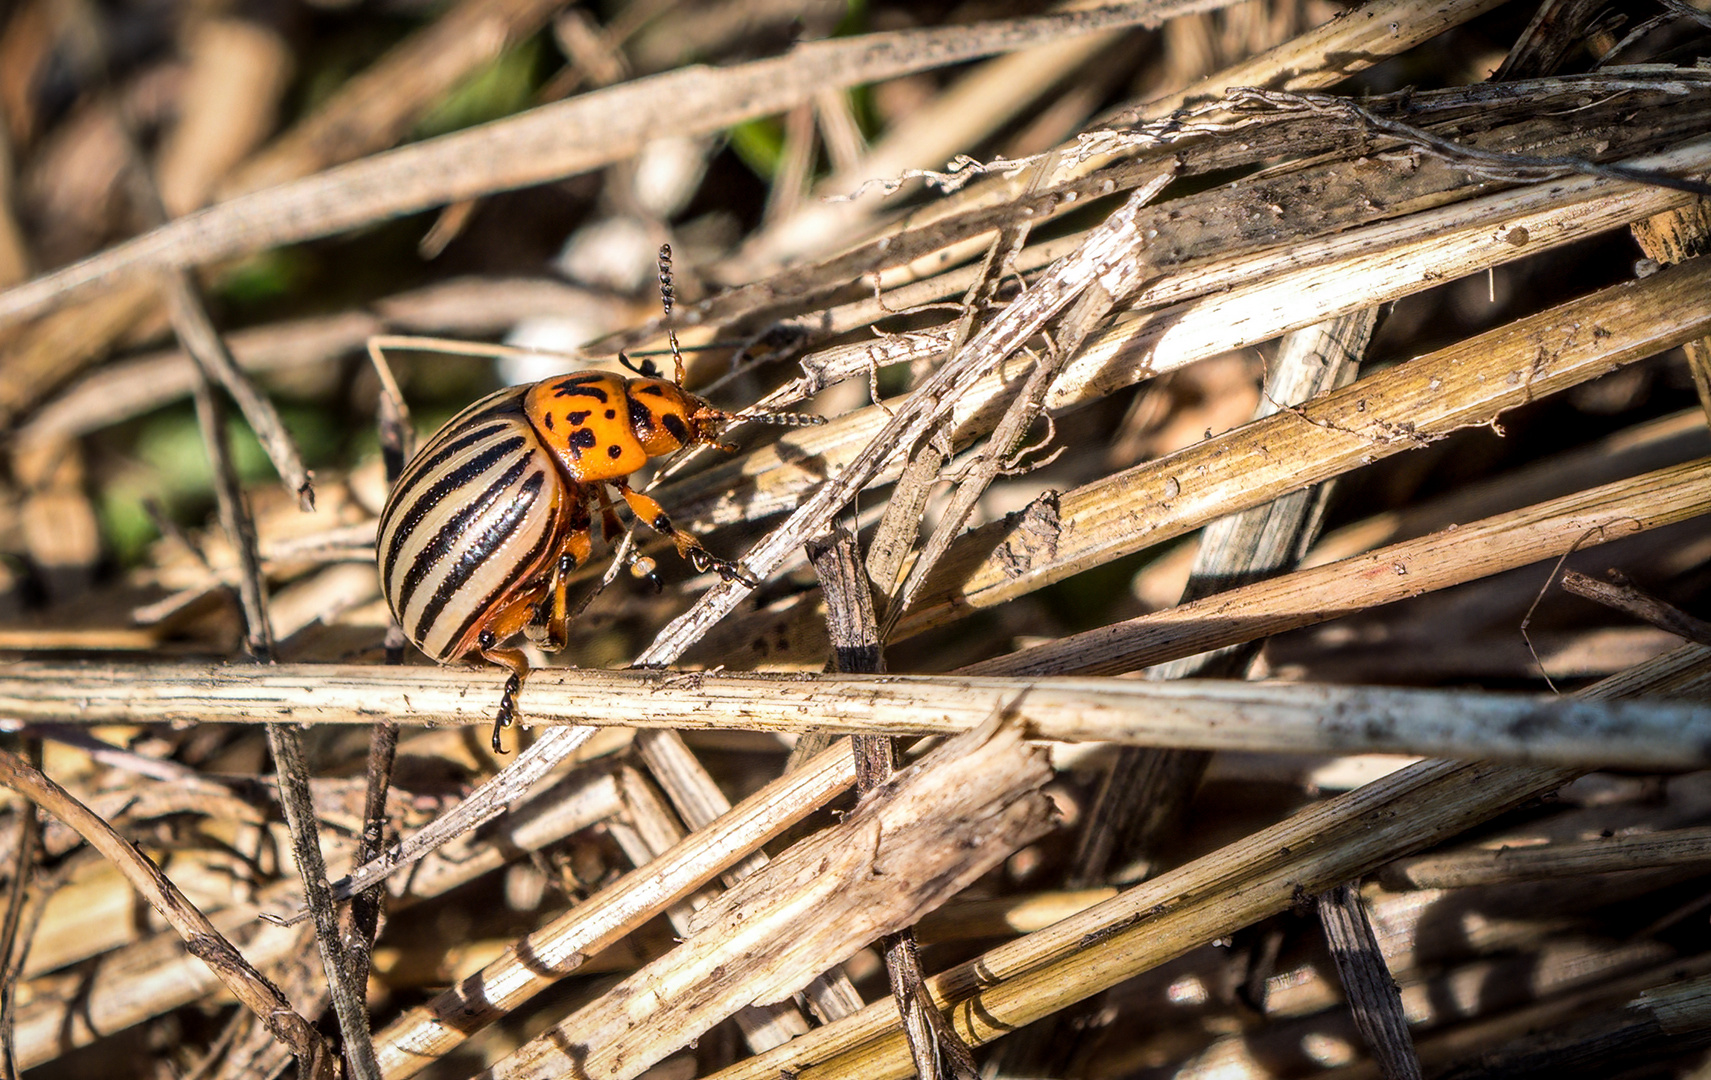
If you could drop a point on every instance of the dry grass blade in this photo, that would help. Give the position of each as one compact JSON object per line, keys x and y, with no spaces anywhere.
{"x":1411,"y":568}
{"x":195,"y":329}
{"x":1213,"y":714}
{"x":548,"y":143}
{"x":1549,"y":861}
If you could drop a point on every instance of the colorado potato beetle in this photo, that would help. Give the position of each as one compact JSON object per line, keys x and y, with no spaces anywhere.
{"x":485,"y":524}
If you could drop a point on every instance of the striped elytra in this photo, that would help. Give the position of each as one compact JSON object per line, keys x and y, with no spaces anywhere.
{"x":471,"y":525}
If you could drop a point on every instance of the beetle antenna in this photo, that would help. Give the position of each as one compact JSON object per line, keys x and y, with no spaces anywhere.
{"x":666,"y":298}
{"x":780,"y":419}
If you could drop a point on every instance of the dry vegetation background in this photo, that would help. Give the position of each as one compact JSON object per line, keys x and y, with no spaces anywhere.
{"x":1223,"y":398}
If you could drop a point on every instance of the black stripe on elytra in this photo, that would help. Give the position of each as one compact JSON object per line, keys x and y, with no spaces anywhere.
{"x":451,"y":534}
{"x":674,"y":424}
{"x":422,"y":501}
{"x":480,"y":550}
{"x":435,"y":456}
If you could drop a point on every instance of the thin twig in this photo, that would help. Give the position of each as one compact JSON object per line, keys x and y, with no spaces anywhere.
{"x":15,"y":946}
{"x":1624,"y":596}
{"x":200,"y":936}
{"x":196,"y":331}
{"x":347,"y":986}
{"x":939,"y":1054}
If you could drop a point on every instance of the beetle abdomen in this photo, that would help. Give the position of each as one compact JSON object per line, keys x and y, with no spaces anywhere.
{"x":470,"y":525}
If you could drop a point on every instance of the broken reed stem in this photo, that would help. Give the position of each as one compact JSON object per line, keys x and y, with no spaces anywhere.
{"x":939,"y":1054}
{"x":1371,"y":993}
{"x":1468,"y":384}
{"x":1105,"y":258}
{"x":1411,"y":568}
{"x":914,"y":842}
{"x":1265,"y":873}
{"x":651,"y":829}
{"x":557,"y":949}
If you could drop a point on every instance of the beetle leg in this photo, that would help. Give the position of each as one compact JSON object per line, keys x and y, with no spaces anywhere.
{"x":517,"y":664}
{"x":578,"y":546}
{"x":650,"y":511}
{"x":610,"y":527}
{"x":640,"y":565}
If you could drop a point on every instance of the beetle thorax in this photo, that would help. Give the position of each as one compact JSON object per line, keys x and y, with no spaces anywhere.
{"x":602,"y":426}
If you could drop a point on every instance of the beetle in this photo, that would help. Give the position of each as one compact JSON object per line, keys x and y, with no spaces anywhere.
{"x":486,"y":523}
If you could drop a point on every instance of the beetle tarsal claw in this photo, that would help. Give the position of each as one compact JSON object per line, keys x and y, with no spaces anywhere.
{"x":704,"y":561}
{"x":507,"y":713}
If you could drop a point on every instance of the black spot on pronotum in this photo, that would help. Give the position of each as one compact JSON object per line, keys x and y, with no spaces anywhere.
{"x":614,"y":451}
{"x":656,"y":391}
{"x":674,"y":424}
{"x":582,"y":439}
{"x":578,"y":386}
{"x":640,"y":418}
{"x":611,"y":414}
